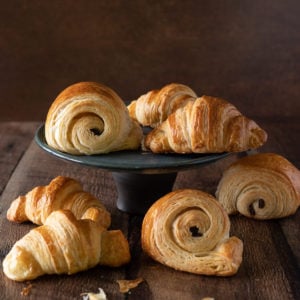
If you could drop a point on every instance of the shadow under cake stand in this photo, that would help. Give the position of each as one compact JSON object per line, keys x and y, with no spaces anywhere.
{"x":141,"y":177}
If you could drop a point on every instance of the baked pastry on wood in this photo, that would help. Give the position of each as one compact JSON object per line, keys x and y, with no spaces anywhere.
{"x":61,"y":193}
{"x":154,"y":107}
{"x":65,"y":245}
{"x":260,"y":186}
{"x":206,"y":125}
{"x":188,"y":230}
{"x":90,"y":118}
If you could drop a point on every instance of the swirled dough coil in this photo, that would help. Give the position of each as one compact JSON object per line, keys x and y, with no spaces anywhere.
{"x":260,"y":186}
{"x":188,"y":230}
{"x":90,"y":118}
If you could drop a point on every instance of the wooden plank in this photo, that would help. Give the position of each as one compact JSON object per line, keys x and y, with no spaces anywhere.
{"x":284,"y":139}
{"x":14,"y":139}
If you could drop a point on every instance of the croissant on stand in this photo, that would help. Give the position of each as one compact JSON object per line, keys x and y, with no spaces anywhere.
{"x":188,"y":230}
{"x":61,"y":193}
{"x":65,"y":245}
{"x":155,"y":106}
{"x":90,"y":118}
{"x":206,"y":125}
{"x":260,"y":186}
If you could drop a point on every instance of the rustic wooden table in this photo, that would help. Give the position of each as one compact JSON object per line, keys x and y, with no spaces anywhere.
{"x":270,"y":267}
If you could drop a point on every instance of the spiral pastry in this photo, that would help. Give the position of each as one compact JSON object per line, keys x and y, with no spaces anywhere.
{"x":90,"y":118}
{"x":188,"y":230}
{"x":261,"y":186}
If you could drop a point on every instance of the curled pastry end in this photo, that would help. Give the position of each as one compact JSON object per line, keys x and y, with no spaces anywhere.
{"x":188,"y":230}
{"x":20,"y":265}
{"x":16,"y":211}
{"x":262,"y":186}
{"x":90,"y":118}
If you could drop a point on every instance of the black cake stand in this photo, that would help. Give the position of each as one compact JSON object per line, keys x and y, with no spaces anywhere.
{"x":141,"y":177}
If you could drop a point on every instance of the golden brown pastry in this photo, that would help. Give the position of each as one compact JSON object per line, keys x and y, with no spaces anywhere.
{"x":64,"y":245}
{"x":90,"y":118}
{"x":127,"y":285}
{"x":188,"y":230}
{"x":61,"y":193}
{"x":206,"y":125}
{"x":260,"y":186}
{"x":154,"y":107}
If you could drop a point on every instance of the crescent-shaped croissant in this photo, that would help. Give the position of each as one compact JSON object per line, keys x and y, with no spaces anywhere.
{"x":154,"y":107}
{"x":206,"y":125}
{"x":61,"y":193}
{"x":260,"y":186}
{"x":188,"y":230}
{"x":90,"y":118}
{"x":65,"y":245}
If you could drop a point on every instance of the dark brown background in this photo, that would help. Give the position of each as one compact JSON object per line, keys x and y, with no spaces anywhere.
{"x":244,"y":51}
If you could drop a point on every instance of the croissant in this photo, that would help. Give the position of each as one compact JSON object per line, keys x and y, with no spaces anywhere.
{"x":60,"y":193}
{"x":90,"y":118}
{"x":260,"y":186}
{"x":154,"y":107}
{"x":188,"y":230}
{"x":206,"y":125}
{"x":65,"y":245}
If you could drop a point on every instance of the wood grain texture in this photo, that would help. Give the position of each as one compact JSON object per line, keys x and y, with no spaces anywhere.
{"x":270,"y":267}
{"x":14,"y":140}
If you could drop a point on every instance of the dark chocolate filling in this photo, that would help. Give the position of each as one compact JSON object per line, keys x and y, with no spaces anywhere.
{"x":95,"y":131}
{"x":195,"y":231}
{"x":261,"y":203}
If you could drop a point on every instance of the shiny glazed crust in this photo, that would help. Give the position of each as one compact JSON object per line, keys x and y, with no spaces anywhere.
{"x":61,"y":193}
{"x":260,"y":186}
{"x":64,"y":245}
{"x":155,"y":106}
{"x":206,"y":125}
{"x":90,"y":118}
{"x":188,"y":230}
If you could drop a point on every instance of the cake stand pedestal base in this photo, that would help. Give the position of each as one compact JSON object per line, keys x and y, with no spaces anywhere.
{"x":137,"y":192}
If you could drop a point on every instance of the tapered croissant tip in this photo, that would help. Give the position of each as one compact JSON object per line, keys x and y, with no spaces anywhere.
{"x":258,"y":136}
{"x":22,"y":269}
{"x":115,"y":250}
{"x":16,"y":211}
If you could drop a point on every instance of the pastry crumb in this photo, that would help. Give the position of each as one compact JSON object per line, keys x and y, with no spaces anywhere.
{"x":126,"y":285}
{"x":26,"y":290}
{"x":93,"y":296}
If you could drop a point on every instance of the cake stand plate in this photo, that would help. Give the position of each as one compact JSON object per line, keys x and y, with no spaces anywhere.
{"x":141,"y":177}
